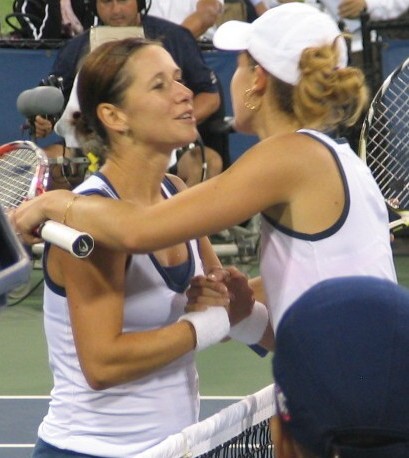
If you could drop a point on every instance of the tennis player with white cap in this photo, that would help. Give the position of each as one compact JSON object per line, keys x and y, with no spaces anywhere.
{"x":323,"y":215}
{"x":277,"y":44}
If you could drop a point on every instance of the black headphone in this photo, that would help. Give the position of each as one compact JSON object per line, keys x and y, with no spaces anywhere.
{"x":141,"y":5}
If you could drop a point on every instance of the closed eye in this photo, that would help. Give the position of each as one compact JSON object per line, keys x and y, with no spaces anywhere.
{"x":159,"y":85}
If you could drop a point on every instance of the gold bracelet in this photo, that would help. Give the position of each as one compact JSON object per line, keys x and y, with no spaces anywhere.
{"x":67,"y":208}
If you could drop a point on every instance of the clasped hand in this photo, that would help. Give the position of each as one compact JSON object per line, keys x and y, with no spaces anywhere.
{"x":226,"y":287}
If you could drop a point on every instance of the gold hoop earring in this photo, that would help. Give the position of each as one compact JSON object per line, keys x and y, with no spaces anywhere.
{"x":247,"y":100}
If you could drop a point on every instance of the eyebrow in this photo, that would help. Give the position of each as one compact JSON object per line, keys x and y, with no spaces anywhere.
{"x":177,"y":72}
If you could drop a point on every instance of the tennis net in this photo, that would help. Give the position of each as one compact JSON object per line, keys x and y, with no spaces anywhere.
{"x":240,"y":430}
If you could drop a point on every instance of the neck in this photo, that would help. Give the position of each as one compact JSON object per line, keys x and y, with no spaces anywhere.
{"x":137,"y":174}
{"x":277,"y":124}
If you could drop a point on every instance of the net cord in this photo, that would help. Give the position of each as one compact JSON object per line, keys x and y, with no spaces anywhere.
{"x":199,"y":438}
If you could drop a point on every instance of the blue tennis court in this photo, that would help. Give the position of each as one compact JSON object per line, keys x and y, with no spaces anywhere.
{"x":21,"y":415}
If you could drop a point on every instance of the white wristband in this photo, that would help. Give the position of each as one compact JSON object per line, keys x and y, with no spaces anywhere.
{"x":211,"y":326}
{"x":251,"y":329}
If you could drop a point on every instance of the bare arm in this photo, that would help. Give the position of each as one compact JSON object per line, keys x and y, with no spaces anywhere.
{"x":108,"y":356}
{"x":205,"y":104}
{"x":260,"y":7}
{"x":268,"y":340}
{"x":261,"y":178}
{"x":69,"y":19}
{"x":203,"y":209}
{"x":205,"y":16}
{"x":350,"y":9}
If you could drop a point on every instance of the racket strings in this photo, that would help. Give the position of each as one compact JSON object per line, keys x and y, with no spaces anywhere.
{"x":387,"y":144}
{"x":18,"y":170}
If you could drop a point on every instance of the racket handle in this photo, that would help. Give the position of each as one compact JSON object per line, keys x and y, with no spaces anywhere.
{"x":79,"y":244}
{"x":399,"y":224}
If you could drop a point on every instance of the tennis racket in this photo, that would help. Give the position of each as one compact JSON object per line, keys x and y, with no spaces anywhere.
{"x":384,"y":143}
{"x":24,"y":171}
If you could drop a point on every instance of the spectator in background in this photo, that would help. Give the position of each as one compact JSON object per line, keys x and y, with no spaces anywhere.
{"x":341,"y":370}
{"x":349,"y":11}
{"x":52,"y":19}
{"x":177,"y":40}
{"x":377,"y":9}
{"x":198,"y":16}
{"x":256,"y":8}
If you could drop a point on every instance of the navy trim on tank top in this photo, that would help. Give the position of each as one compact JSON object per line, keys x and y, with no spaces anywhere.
{"x":338,"y":224}
{"x":107,"y":182}
{"x":177,"y":277}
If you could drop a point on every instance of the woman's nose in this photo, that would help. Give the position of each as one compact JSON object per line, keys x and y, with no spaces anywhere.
{"x":183,"y":92}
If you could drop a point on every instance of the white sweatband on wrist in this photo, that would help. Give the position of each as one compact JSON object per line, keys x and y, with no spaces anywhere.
{"x":251,"y":329}
{"x":211,"y":326}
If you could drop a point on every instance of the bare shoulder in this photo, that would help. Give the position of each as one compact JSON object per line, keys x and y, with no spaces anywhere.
{"x":292,"y":142}
{"x":285,"y":147}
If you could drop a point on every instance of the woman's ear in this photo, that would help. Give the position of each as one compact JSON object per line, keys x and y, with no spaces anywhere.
{"x":112,"y":117}
{"x":260,"y":78}
{"x":284,"y":446}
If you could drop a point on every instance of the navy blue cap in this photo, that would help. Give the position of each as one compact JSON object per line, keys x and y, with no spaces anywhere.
{"x":341,"y":368}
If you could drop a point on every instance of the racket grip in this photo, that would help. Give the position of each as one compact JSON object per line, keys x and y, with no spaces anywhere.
{"x":398,"y":225}
{"x":79,"y":244}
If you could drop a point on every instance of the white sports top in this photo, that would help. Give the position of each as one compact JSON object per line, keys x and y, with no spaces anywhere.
{"x":357,"y":244}
{"x":129,"y":418}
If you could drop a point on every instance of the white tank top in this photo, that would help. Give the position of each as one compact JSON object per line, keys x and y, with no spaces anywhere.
{"x":129,"y":418}
{"x":357,"y":244}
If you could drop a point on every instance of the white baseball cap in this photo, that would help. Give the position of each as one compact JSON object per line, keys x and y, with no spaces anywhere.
{"x":278,"y":37}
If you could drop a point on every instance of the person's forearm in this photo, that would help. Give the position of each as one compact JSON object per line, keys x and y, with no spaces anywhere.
{"x":126,"y":359}
{"x":205,"y":104}
{"x":207,"y":208}
{"x":205,"y":16}
{"x":116,"y":224}
{"x":133,"y":228}
{"x":69,"y":19}
{"x":260,"y":8}
{"x":104,"y":218}
{"x":199,"y":23}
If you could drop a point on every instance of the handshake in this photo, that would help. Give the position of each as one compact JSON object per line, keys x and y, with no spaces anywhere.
{"x":221,"y":304}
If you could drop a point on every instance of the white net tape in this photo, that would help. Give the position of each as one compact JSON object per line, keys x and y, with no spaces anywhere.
{"x":221,"y":427}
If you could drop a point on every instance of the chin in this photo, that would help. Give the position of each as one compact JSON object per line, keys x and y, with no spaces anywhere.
{"x":191,"y":138}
